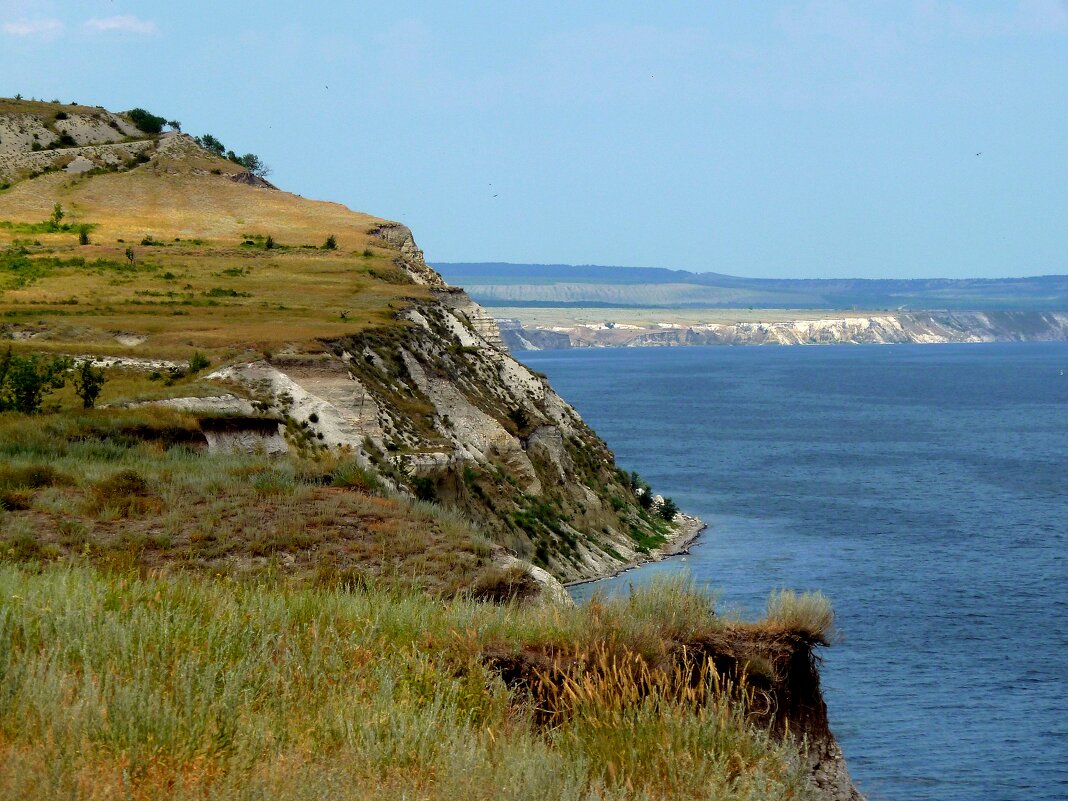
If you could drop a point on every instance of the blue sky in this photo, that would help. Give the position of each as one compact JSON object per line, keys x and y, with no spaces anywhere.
{"x":779,"y":139}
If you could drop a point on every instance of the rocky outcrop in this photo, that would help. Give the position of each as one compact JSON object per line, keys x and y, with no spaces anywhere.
{"x":911,"y":327}
{"x":32,"y":143}
{"x":409,"y":256}
{"x":434,"y":403}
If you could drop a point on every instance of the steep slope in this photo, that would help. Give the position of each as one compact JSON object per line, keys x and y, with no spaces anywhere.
{"x":325,"y":319}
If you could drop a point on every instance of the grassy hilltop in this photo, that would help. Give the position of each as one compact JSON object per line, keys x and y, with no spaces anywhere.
{"x":178,"y":253}
{"x":308,"y":575}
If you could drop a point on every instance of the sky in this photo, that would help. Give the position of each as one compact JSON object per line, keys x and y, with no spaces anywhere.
{"x":818,"y":138}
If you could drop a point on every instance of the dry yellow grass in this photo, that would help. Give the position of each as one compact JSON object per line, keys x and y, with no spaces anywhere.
{"x":199,"y":287}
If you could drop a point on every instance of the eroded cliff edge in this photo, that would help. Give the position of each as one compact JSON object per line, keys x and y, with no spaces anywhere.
{"x":438,"y":406}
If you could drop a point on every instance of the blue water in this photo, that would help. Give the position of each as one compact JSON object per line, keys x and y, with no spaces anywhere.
{"x":923,"y":488}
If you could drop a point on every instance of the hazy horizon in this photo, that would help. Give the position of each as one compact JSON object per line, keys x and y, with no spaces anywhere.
{"x":933,"y":277}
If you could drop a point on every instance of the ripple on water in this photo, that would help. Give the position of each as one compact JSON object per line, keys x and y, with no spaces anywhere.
{"x":922,"y":487}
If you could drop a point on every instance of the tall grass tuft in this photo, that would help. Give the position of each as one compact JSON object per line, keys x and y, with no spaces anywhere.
{"x":808,"y":614}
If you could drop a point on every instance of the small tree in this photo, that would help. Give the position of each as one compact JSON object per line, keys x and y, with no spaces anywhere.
{"x":175,"y":125}
{"x":83,"y":236}
{"x":25,"y":380}
{"x":330,"y":243}
{"x":88,"y":381}
{"x":254,"y":164}
{"x":56,"y":219}
{"x":211,"y":144}
{"x":130,"y":255}
{"x":668,"y":509}
{"x":269,"y":243}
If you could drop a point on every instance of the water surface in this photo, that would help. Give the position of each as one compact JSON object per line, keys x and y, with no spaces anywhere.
{"x":924,"y":488}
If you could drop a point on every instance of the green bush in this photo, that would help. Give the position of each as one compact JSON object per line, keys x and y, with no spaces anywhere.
{"x":55,"y":220}
{"x":88,"y":381}
{"x":146,"y":121}
{"x":25,"y":380}
{"x":668,"y":509}
{"x":330,"y":243}
{"x":211,"y":144}
{"x":198,"y":361}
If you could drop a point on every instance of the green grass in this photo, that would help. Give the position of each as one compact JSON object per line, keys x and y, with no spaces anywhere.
{"x":146,"y":688}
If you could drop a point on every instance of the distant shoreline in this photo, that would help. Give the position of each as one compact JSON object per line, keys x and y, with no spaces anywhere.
{"x":563,"y":329}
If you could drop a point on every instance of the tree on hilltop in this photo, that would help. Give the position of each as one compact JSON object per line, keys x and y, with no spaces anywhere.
{"x":146,"y":121}
{"x":211,"y":144}
{"x":254,"y":164}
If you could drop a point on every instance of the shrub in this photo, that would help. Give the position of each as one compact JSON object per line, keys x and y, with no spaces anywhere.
{"x":198,"y":361}
{"x":55,"y":220}
{"x":18,"y":483}
{"x":269,"y":243}
{"x":25,"y":380}
{"x":668,"y":509}
{"x":330,"y":243}
{"x":83,"y":236}
{"x":126,"y":492}
{"x":425,"y":488}
{"x":352,"y":476}
{"x":88,"y":381}
{"x":146,"y":121}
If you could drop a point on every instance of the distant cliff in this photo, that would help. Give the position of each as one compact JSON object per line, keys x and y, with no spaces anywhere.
{"x":902,"y":327}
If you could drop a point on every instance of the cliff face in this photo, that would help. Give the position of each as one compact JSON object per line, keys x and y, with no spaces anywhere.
{"x":438,"y":405}
{"x":911,"y":327}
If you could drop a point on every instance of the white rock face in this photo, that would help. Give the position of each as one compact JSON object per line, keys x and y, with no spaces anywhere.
{"x":97,"y":136}
{"x":886,"y":329}
{"x":324,"y":396}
